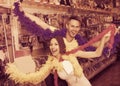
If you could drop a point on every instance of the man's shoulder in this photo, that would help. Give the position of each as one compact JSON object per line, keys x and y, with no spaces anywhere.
{"x":60,"y":32}
{"x":80,"y":39}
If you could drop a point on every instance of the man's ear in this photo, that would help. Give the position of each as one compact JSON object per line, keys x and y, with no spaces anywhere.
{"x":21,"y":1}
{"x":66,"y":25}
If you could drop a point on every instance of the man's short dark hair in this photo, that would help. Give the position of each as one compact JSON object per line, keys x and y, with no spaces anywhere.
{"x":75,"y":18}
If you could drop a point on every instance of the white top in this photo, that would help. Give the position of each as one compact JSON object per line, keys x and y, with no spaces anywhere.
{"x":67,"y":66}
{"x":68,"y":74}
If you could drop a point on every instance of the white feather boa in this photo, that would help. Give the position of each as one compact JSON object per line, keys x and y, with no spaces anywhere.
{"x":34,"y":78}
{"x":43,"y":72}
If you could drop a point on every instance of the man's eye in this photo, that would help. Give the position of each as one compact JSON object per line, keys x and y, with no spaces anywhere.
{"x":72,"y":26}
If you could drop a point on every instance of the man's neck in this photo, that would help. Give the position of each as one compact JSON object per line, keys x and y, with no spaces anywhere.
{"x":68,"y":38}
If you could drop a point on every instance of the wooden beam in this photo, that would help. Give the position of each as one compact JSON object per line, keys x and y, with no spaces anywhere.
{"x":3,"y":10}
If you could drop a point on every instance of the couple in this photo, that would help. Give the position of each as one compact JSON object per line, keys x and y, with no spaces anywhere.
{"x":66,"y":66}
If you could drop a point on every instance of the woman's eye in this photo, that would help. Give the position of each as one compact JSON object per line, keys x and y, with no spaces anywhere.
{"x":56,"y":44}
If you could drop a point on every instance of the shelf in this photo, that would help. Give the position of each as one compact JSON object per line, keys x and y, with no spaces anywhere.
{"x":101,"y":66}
{"x":35,"y":7}
{"x":48,"y":8}
{"x":3,"y":9}
{"x":92,"y":63}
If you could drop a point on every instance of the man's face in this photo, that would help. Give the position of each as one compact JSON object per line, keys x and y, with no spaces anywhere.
{"x":73,"y":28}
{"x":54,"y":47}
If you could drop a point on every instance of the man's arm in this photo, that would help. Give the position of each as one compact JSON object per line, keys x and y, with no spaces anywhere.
{"x":39,"y":22}
{"x":18,"y":11}
{"x":97,"y":52}
{"x":91,"y":54}
{"x":97,"y":44}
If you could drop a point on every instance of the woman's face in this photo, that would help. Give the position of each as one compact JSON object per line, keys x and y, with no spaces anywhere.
{"x":54,"y":47}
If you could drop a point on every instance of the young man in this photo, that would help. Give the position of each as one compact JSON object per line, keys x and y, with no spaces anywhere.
{"x":70,"y":32}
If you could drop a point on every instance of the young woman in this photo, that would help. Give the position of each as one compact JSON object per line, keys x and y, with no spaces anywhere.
{"x":67,"y":66}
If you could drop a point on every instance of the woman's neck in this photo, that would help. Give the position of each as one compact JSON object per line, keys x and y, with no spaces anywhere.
{"x":58,"y":56}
